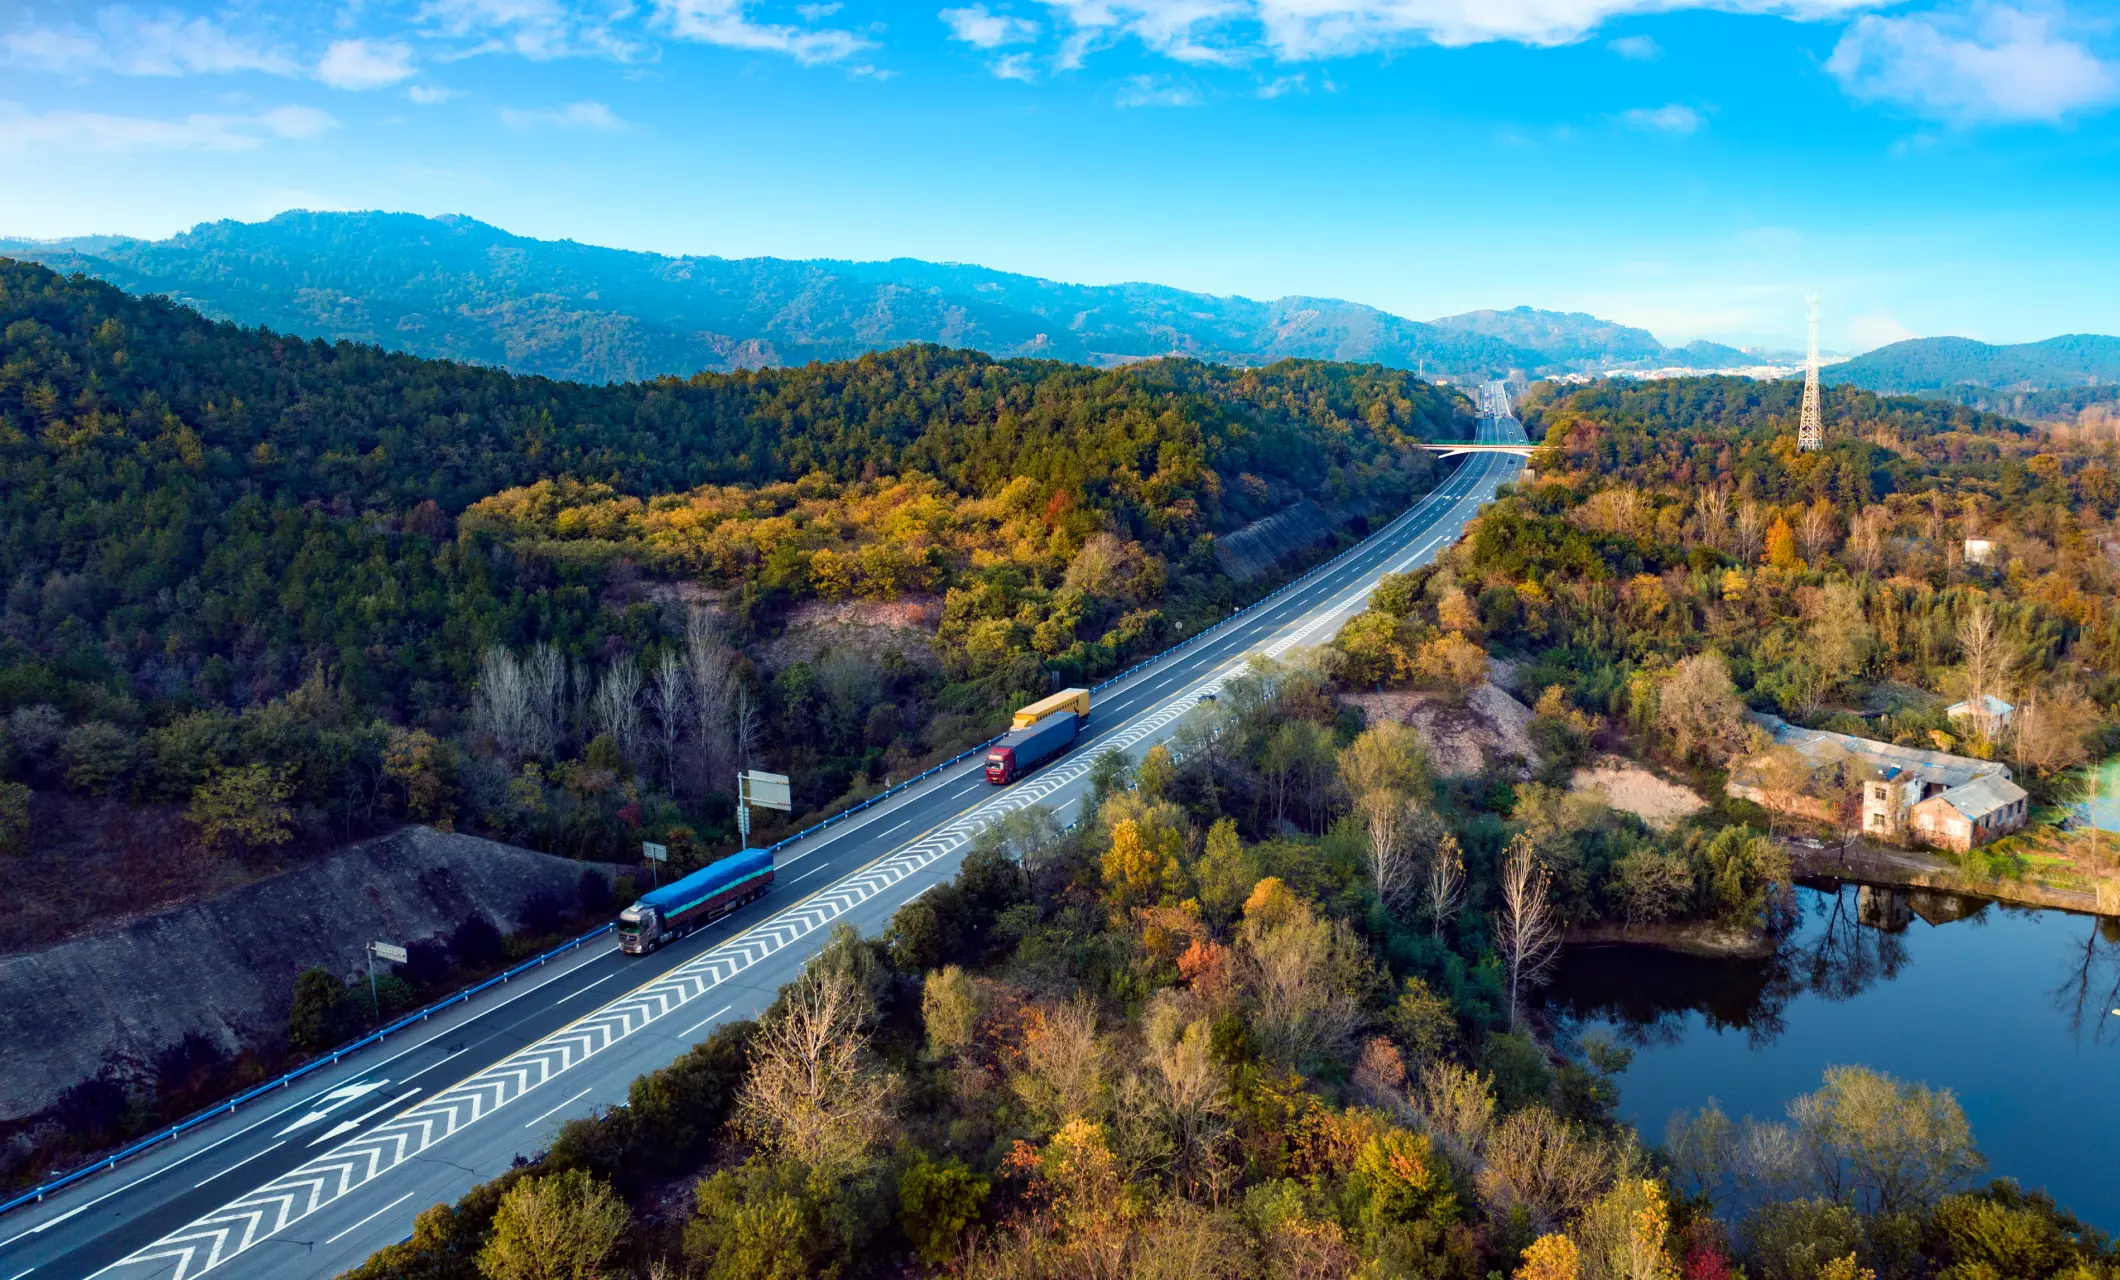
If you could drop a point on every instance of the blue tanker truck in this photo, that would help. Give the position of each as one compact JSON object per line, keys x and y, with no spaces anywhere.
{"x":665,"y":914}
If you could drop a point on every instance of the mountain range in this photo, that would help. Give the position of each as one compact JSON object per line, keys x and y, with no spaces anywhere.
{"x":456,"y":288}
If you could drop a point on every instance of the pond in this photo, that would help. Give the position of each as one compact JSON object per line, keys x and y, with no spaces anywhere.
{"x":2010,"y":1008}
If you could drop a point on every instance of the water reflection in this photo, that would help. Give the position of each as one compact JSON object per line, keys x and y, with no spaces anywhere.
{"x":2011,"y":1008}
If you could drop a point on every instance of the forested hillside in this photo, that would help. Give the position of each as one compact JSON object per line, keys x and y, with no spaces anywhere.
{"x":457,"y":289}
{"x":1679,"y":559}
{"x":2049,"y":381}
{"x":1269,"y":1009}
{"x":224,"y":547}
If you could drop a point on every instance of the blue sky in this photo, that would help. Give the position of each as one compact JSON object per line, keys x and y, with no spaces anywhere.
{"x":1941,"y":166}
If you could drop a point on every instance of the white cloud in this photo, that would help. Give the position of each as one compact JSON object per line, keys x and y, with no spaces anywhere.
{"x":818,"y":12}
{"x":537,"y":29}
{"x":1636,"y":48}
{"x":78,"y":131}
{"x":1877,"y":330}
{"x":592,"y":116}
{"x":1280,"y":85}
{"x":1675,"y":118}
{"x":1230,"y":31}
{"x":1014,"y":66}
{"x":1995,"y":64}
{"x":1156,"y":91}
{"x":980,"y":28}
{"x":365,"y":64}
{"x":727,"y":23}
{"x":134,"y":44}
{"x":427,"y":95}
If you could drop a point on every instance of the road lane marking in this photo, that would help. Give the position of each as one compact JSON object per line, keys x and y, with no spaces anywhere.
{"x":709,"y":1018}
{"x":371,"y":1218}
{"x":540,"y":1119}
{"x":822,"y":866}
{"x":238,"y":1164}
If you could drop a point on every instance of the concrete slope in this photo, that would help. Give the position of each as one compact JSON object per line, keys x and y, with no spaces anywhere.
{"x":225,"y":966}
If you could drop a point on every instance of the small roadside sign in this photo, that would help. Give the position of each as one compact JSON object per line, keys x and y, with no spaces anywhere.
{"x":768,"y":790}
{"x":654,"y":852}
{"x":390,"y":951}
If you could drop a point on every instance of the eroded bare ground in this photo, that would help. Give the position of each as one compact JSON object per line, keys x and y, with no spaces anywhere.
{"x":1489,"y":729}
{"x":1628,"y":786}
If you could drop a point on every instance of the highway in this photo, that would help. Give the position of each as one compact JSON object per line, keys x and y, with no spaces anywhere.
{"x":307,"y":1187}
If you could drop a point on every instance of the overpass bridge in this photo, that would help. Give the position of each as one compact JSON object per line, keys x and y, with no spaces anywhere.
{"x":1497,"y":423}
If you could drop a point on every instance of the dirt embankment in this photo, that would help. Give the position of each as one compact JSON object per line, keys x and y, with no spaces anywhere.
{"x":1627,"y":786}
{"x":872,"y":628}
{"x":1489,"y":729}
{"x":225,"y":965}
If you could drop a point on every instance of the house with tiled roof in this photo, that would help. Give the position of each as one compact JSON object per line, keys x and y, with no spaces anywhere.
{"x":1908,"y":793}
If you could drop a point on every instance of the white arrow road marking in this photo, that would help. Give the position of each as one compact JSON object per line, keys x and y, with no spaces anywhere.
{"x":348,"y":1126}
{"x":237,"y":1226}
{"x":337,"y":1098}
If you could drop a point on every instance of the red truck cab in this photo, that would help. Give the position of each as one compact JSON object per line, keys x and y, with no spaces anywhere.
{"x":1000,"y":766}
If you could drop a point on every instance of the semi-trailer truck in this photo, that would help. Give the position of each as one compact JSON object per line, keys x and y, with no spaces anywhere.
{"x":1043,"y":730}
{"x":665,"y":914}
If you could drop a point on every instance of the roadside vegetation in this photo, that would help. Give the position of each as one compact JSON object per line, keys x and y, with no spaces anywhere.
{"x":1268,"y":1011}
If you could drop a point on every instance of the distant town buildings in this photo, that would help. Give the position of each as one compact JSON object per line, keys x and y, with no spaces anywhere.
{"x":1909,"y":795}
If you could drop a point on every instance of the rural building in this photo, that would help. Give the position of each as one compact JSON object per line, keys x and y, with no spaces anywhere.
{"x":1979,"y":551}
{"x":1987,"y":714}
{"x":1908,"y":794}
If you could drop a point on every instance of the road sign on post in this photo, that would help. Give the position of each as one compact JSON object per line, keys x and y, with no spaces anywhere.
{"x":656,"y":855}
{"x":390,"y":951}
{"x":766,"y":790}
{"x":769,"y":790}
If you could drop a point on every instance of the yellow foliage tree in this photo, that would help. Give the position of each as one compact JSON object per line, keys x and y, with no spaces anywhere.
{"x":1781,"y":546}
{"x":1551,"y":1257}
{"x":1142,"y":866}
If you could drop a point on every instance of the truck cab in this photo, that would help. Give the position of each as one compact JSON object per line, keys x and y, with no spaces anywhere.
{"x":640,"y":929}
{"x":1000,"y":766}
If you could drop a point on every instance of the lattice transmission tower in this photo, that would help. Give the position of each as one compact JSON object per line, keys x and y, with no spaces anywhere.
{"x":1811,"y":431}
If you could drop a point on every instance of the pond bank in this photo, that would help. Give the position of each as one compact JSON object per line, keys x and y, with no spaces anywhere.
{"x":1692,"y":937}
{"x":1918,"y":869}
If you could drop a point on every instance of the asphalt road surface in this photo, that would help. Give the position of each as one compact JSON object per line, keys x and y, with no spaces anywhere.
{"x":305,"y":1187}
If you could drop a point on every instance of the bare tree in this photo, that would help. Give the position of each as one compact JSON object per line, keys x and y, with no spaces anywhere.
{"x":1698,"y":706}
{"x":1751,"y":531}
{"x":1713,"y":507}
{"x":1816,"y":530}
{"x":1525,"y":930}
{"x":545,"y":676}
{"x":1866,"y":540}
{"x":669,"y":698}
{"x":1446,"y":884}
{"x":712,"y":684}
{"x":2051,"y":728}
{"x":1391,"y":869}
{"x":1987,"y":664}
{"x":745,"y":725}
{"x":501,"y":705}
{"x":812,"y":1095}
{"x":615,"y":707}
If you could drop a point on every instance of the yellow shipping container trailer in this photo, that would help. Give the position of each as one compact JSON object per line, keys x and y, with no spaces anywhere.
{"x":1075,"y":700}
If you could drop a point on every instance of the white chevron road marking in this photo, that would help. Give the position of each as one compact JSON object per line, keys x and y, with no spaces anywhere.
{"x":239,"y":1225}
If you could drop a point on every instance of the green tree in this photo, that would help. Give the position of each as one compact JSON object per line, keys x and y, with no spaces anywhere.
{"x":1881,"y":1144}
{"x":938,"y":1202}
{"x":97,"y":755}
{"x":14,"y":817}
{"x":242,"y":809}
{"x":322,"y":1013}
{"x":564,"y":1226}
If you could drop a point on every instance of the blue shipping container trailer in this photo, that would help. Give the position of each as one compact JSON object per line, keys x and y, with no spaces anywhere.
{"x":665,"y":914}
{"x":1025,"y":749}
